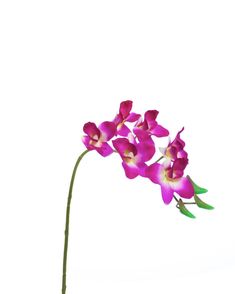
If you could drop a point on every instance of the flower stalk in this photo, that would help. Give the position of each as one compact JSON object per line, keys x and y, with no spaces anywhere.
{"x":66,"y":232}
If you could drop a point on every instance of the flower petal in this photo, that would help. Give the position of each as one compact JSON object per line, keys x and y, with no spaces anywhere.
{"x":130,"y":171}
{"x":171,"y":152}
{"x":123,"y":130}
{"x":141,"y":134}
{"x":125,"y":108}
{"x":167,"y":193}
{"x":91,"y":130}
{"x":154,"y":172}
{"x":86,"y":141}
{"x":146,"y":150}
{"x":142,"y":169}
{"x":182,"y":154}
{"x":159,"y":131}
{"x":118,"y":119}
{"x":178,"y":167}
{"x":108,"y":130}
{"x":151,"y":115}
{"x":180,"y":164}
{"x":104,"y":150}
{"x":183,"y":187}
{"x":178,"y":142}
{"x":122,"y":145}
{"x":132,"y":117}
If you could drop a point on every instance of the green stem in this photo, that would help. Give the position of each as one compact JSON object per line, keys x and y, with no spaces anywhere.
{"x":160,"y":159}
{"x":66,"y":232}
{"x":176,"y":199}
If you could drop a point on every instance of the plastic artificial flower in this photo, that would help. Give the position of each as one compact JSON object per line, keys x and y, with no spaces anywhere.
{"x":149,"y":126}
{"x":125,"y":115}
{"x":134,"y":155}
{"x":175,"y":149}
{"x":97,"y":138}
{"x":170,"y":178}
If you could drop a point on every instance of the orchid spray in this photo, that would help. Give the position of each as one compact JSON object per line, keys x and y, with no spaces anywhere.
{"x":136,"y":146}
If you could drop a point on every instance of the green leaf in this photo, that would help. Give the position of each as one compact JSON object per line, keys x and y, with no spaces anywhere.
{"x":184,"y":210}
{"x":202,"y":204}
{"x":197,"y":189}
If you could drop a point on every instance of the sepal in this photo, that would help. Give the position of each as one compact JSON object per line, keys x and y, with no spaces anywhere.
{"x":197,"y":189}
{"x":184,"y":210}
{"x":202,"y":204}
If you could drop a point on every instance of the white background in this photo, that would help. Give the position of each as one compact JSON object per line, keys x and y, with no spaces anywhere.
{"x":63,"y":63}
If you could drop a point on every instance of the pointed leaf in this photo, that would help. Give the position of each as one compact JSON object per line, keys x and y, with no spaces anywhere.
{"x":184,"y":210}
{"x":197,"y":189}
{"x":201,"y":203}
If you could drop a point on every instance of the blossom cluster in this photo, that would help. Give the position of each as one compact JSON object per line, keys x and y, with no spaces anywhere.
{"x":136,"y":146}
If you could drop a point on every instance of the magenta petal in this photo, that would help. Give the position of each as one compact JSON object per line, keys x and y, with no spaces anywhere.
{"x":104,"y":150}
{"x":132,"y":117}
{"x":108,"y":130}
{"x":184,"y":188}
{"x":142,"y":169}
{"x":141,"y":134}
{"x":123,"y":131}
{"x":178,"y":136}
{"x":172,"y":152}
{"x":146,"y":150}
{"x":118,"y":119}
{"x":182,"y":154}
{"x":159,"y":131}
{"x":122,"y":145}
{"x":86,"y":141}
{"x":130,"y":171}
{"x":153,"y":172}
{"x":180,"y":164}
{"x":167,"y":193}
{"x":178,"y":142}
{"x":125,"y":108}
{"x":176,"y":174}
{"x":91,"y":130}
{"x":150,"y":115}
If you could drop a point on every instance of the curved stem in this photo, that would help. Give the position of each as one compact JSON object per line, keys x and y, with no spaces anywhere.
{"x":66,"y":232}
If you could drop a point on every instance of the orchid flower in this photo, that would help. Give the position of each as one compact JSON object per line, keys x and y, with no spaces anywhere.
{"x":125,"y":115}
{"x":170,"y":178}
{"x":175,"y":149}
{"x":97,"y":138}
{"x":134,"y":155}
{"x":149,"y":126}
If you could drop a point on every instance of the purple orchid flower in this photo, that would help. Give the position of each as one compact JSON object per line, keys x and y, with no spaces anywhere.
{"x":170,"y":178}
{"x":125,"y":115}
{"x":175,"y":149}
{"x":149,"y":126}
{"x":97,"y":138}
{"x":134,"y":155}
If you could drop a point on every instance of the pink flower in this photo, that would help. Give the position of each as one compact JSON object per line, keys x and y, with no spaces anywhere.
{"x":144,"y":129}
{"x":134,"y":155}
{"x":97,"y":138}
{"x":170,"y":178}
{"x":125,"y":115}
{"x":175,"y":149}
